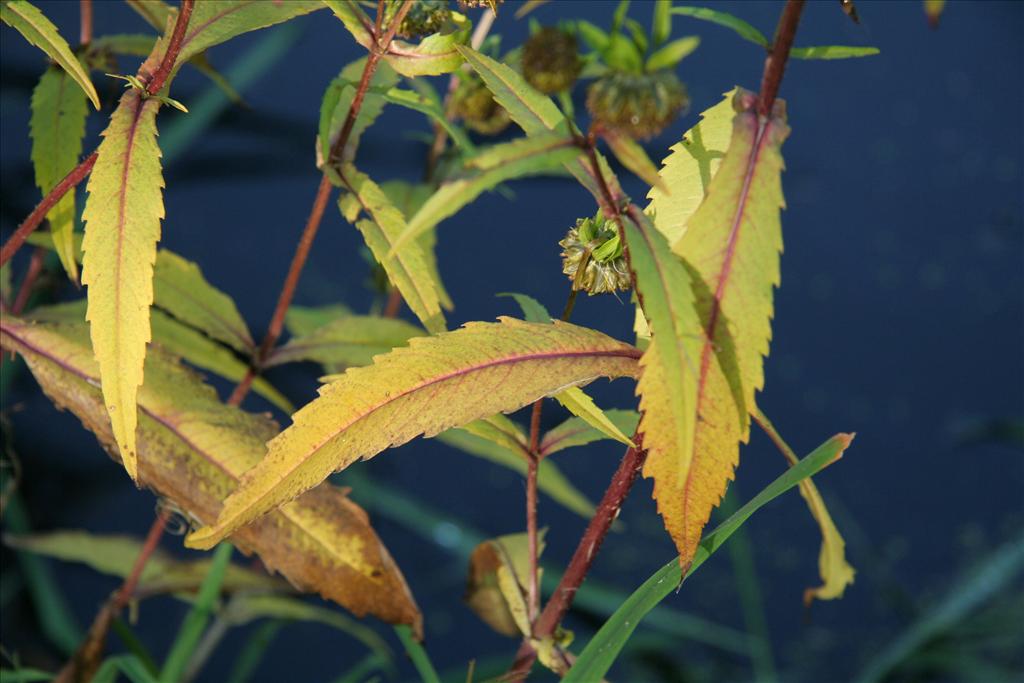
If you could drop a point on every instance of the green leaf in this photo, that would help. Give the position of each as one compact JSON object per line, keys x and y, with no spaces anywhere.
{"x":502,"y":442}
{"x":122,"y":227}
{"x":673,"y":53}
{"x":37,"y":29}
{"x":623,"y":54}
{"x":337,"y":102}
{"x":407,"y":267}
{"x":577,"y":432}
{"x":599,"y":654}
{"x":832,"y":52}
{"x":742,"y":28}
{"x":195,"y":621}
{"x":436,"y":383}
{"x":181,"y":290}
{"x":354,"y":19}
{"x":432,"y":108}
{"x":24,"y":675}
{"x":193,"y":450}
{"x":417,"y":654}
{"x":348,"y":341}
{"x":631,"y":154}
{"x":218,"y":21}
{"x":129,"y":665}
{"x":155,"y":12}
{"x":303,"y":320}
{"x":533,"y":310}
{"x":661,"y":23}
{"x":57,"y":127}
{"x":116,"y":555}
{"x":582,"y":406}
{"x":488,"y":169}
{"x":593,"y":36}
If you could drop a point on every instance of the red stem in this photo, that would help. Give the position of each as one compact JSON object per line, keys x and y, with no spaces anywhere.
{"x":173,"y":48}
{"x":394,"y":304}
{"x":85,"y":32}
{"x":775,"y":64}
{"x":35,"y":267}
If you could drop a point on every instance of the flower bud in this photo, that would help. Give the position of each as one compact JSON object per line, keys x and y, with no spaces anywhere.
{"x":637,"y":105}
{"x":475,"y":105}
{"x":592,"y":257}
{"x":551,"y":61}
{"x":423,"y":18}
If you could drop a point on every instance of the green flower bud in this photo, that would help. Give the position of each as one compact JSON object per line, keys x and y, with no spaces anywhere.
{"x":475,"y":105}
{"x":551,"y":61}
{"x":637,"y":105}
{"x":592,"y":257}
{"x":423,"y":18}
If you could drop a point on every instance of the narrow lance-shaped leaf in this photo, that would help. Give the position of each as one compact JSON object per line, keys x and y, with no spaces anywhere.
{"x":599,"y":654}
{"x":40,"y":31}
{"x":731,"y":246}
{"x":348,"y":341}
{"x":742,"y":28}
{"x":577,"y":432}
{"x":217,"y":21}
{"x":833,"y":52}
{"x":337,"y":102}
{"x":408,"y":267}
{"x":122,"y":226}
{"x":432,"y":385}
{"x":193,"y":450}
{"x":631,"y":154}
{"x":57,"y":127}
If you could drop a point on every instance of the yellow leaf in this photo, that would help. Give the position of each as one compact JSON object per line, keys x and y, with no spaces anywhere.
{"x":496,"y":588}
{"x":578,"y":403}
{"x":193,"y":451}
{"x":433,"y":384}
{"x":122,"y":226}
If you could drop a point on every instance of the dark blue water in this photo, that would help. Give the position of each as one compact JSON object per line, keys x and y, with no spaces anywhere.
{"x":900,"y":317}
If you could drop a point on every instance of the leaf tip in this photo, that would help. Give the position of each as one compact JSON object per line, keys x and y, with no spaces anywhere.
{"x":203,"y":539}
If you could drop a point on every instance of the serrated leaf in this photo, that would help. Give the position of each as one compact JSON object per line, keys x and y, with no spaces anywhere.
{"x":536,"y":114}
{"x":832,"y":52}
{"x":436,"y":383}
{"x":179,"y":340}
{"x":354,"y":19}
{"x":33,"y":25}
{"x":349,"y":341}
{"x":501,"y":441}
{"x":408,"y":268}
{"x":217,"y":21}
{"x":599,"y":654}
{"x":731,"y":246}
{"x":122,"y":226}
{"x":742,"y":28}
{"x":577,"y":432}
{"x":631,"y":154}
{"x":337,"y":102}
{"x":193,"y":451}
{"x":491,"y":167}
{"x":57,"y":127}
{"x":673,"y":53}
{"x":688,"y":169}
{"x":579,"y":404}
{"x":115,"y":555}
{"x":182,"y":291}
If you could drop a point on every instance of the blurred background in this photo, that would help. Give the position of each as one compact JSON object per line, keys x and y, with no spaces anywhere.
{"x":900,"y":317}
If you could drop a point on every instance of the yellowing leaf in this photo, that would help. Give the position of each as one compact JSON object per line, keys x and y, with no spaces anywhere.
{"x":337,"y":102}
{"x":433,"y":384}
{"x":57,"y":128}
{"x":193,"y":450}
{"x":576,"y":432}
{"x":631,"y":154}
{"x":122,"y":226}
{"x":408,"y":267}
{"x":581,"y":405}
{"x":731,"y":246}
{"x":497,"y":584}
{"x":40,"y":31}
{"x":689,"y":168}
{"x":351,"y":340}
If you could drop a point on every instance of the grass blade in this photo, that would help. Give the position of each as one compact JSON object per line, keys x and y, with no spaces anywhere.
{"x":418,"y":655}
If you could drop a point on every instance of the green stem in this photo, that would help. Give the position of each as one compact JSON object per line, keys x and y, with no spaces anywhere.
{"x":418,"y":655}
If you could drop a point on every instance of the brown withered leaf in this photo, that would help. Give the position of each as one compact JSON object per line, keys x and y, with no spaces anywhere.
{"x":496,"y":585}
{"x":193,"y":449}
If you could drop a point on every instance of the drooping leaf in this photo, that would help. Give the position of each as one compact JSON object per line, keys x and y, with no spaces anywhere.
{"x":836,"y":573}
{"x":689,"y":168}
{"x":491,"y":167}
{"x":407,"y":267}
{"x":33,"y":25}
{"x":673,"y":53}
{"x":116,"y":555}
{"x":180,"y":340}
{"x":578,"y":432}
{"x":501,"y":441}
{"x":832,"y":52}
{"x":742,"y":28}
{"x":181,"y":290}
{"x":122,"y":226}
{"x":435,"y":383}
{"x":497,"y":584}
{"x":217,"y":21}
{"x":193,"y":450}
{"x":731,"y":246}
{"x":536,"y":114}
{"x":346,"y":342}
{"x":582,"y":406}
{"x":337,"y":101}
{"x":599,"y":654}
{"x":57,"y":128}
{"x":631,"y":154}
